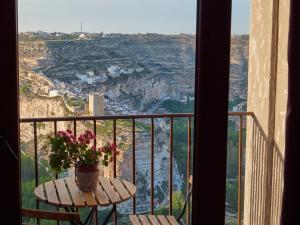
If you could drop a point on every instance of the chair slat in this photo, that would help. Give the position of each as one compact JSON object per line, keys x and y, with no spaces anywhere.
{"x":191,"y":180}
{"x":134,"y":220}
{"x":51,"y":193}
{"x":64,"y":196}
{"x":144,"y":220}
{"x":49,"y":215}
{"x":122,"y":191}
{"x":153,"y":220}
{"x":172,"y":220}
{"x":73,"y":189}
{"x":109,"y":189}
{"x":163,"y":220}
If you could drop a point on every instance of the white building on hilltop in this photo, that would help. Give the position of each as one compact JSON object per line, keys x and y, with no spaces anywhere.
{"x":96,"y":104}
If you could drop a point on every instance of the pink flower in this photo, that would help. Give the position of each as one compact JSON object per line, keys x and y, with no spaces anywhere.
{"x":72,"y":137}
{"x":81,"y":139}
{"x":61,"y":133}
{"x":69,"y":131}
{"x":113,"y":147}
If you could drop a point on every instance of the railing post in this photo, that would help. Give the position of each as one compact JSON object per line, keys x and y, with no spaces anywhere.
{"x":240,"y":162}
{"x":95,"y":144}
{"x":56,"y":175}
{"x":36,"y":171}
{"x":115,"y":165}
{"x":95,"y":132}
{"x":152,"y":167}
{"x":133,"y":165}
{"x":171,"y":168}
{"x":188,"y":169}
{"x":75,"y":128}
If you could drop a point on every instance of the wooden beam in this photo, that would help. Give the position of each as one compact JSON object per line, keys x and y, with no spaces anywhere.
{"x":211,"y":110}
{"x":9,"y":113}
{"x":291,"y":195}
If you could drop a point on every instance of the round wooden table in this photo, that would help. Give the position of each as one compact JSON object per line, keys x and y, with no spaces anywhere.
{"x":65,"y":193}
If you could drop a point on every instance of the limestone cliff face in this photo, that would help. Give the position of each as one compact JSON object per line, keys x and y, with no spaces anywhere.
{"x":239,"y":68}
{"x":37,"y":107}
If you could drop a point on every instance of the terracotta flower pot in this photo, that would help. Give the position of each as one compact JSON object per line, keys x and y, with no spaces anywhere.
{"x":87,"y":177}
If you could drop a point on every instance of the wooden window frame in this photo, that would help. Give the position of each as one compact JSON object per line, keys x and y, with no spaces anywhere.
{"x":211,"y":111}
{"x":211,"y":108}
{"x":9,"y":115}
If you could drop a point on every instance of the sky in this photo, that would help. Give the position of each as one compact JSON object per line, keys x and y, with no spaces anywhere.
{"x":120,"y":16}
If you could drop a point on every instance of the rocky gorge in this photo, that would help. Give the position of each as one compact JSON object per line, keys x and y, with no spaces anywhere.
{"x":137,"y":73}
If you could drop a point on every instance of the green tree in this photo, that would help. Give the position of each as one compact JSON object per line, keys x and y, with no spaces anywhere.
{"x":178,"y":203}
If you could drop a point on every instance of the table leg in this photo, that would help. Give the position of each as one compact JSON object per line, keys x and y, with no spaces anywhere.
{"x":89,"y":218}
{"x":115,"y":215}
{"x":109,"y":216}
{"x":96,"y":216}
{"x":69,"y":209}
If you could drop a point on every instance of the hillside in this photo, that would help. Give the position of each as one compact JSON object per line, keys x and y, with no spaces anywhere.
{"x":141,"y":73}
{"x":135,"y":72}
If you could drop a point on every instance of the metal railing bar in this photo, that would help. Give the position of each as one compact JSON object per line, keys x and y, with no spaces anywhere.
{"x":107,"y":117}
{"x":55,"y":131}
{"x":261,"y":180}
{"x":110,"y":117}
{"x":56,"y":174}
{"x":95,"y":144}
{"x":259,"y":175}
{"x":255,"y":166}
{"x":95,"y":132}
{"x":55,"y":127}
{"x":188,"y":169}
{"x":240,"y":157}
{"x":134,"y":118}
{"x":115,"y":143}
{"x":133,"y":165}
{"x":171,"y":168}
{"x":152,"y":168}
{"x":115,"y":165}
{"x":75,"y":127}
{"x":264,"y":171}
{"x":36,"y":172}
{"x":252,"y":171}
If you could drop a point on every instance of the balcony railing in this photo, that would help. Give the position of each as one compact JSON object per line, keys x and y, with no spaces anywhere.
{"x":239,"y":118}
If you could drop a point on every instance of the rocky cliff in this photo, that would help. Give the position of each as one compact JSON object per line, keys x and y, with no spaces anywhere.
{"x":136,"y":73}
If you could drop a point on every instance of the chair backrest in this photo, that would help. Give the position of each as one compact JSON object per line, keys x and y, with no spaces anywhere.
{"x":50,"y":215}
{"x":191,"y":180}
{"x":187,"y":200}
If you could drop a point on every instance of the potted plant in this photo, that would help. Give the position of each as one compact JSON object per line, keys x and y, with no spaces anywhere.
{"x":68,"y":151}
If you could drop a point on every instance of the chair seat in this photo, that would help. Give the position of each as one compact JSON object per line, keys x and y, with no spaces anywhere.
{"x":153,"y":220}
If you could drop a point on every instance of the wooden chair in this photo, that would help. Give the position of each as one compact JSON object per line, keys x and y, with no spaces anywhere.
{"x":74,"y":218}
{"x":162,"y":219}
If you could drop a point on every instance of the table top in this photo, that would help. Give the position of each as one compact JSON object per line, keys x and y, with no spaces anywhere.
{"x":65,"y":193}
